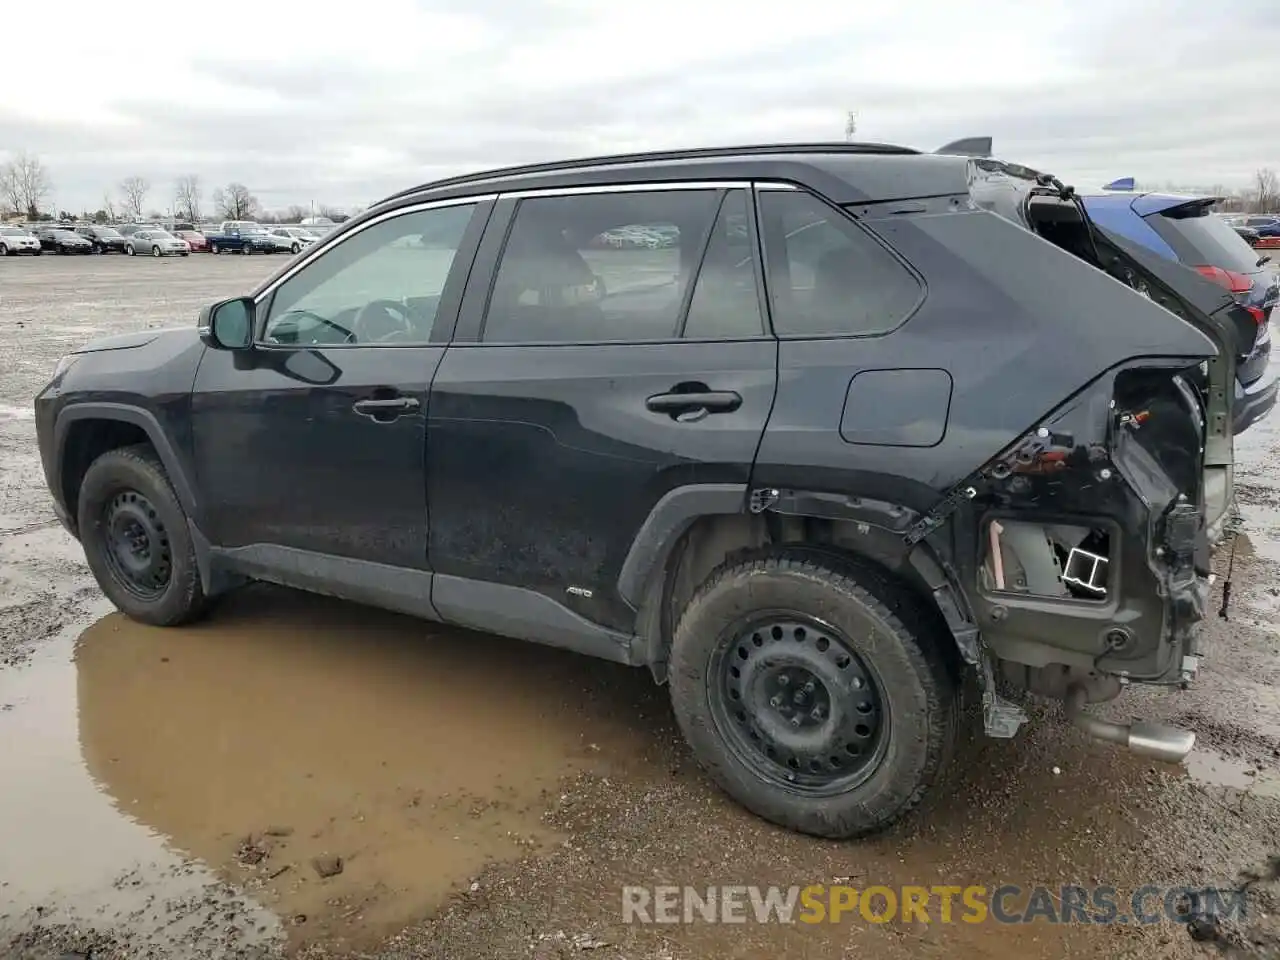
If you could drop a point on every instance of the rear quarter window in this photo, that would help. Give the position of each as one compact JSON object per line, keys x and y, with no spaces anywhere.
{"x":1204,"y":240}
{"x":827,"y":276}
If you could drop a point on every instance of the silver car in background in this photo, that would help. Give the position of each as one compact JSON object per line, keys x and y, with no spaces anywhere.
{"x":293,"y":239}
{"x":158,"y":243}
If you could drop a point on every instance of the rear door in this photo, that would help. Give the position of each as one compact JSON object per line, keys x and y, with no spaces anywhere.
{"x":612,"y":352}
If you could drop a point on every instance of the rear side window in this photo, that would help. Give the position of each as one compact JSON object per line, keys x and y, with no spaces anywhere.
{"x":827,"y":276}
{"x":598,"y":267}
{"x":726,"y":303}
{"x":1200,"y":239}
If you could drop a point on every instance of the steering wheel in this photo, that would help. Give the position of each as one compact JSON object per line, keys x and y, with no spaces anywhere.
{"x":382,"y":321}
{"x":347,"y":335}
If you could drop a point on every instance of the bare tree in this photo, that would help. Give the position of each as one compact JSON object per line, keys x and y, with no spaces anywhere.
{"x":328,"y":212}
{"x":108,"y":207}
{"x":850,"y":125}
{"x":1266,"y":191}
{"x":187,"y":196}
{"x":296,"y":213}
{"x":24,"y":184}
{"x":235,"y":202}
{"x":135,"y":191}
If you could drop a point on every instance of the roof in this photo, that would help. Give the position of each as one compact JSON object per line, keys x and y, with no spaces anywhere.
{"x":845,"y":172}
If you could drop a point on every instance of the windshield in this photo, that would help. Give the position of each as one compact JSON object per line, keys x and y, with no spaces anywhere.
{"x":13,"y":232}
{"x":64,"y":234}
{"x":107,"y":232}
{"x":1204,"y":240}
{"x":160,"y":235}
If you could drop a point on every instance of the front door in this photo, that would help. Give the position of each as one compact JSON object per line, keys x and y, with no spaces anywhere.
{"x":315,"y":440}
{"x":619,"y":352}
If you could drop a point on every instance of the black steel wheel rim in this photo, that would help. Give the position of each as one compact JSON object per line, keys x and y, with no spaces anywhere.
{"x":137,"y":545}
{"x":797,"y":705}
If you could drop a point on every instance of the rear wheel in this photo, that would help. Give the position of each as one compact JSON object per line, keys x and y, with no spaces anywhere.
{"x":136,"y":538}
{"x":810,"y":692}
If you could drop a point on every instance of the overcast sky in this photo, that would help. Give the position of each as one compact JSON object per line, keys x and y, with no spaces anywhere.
{"x":342,"y":103}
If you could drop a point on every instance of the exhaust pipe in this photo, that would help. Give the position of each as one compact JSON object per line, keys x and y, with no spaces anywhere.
{"x":1155,"y":740}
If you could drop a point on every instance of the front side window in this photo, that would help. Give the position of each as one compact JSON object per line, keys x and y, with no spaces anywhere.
{"x":598,"y":267}
{"x":381,"y":285}
{"x":827,"y":276}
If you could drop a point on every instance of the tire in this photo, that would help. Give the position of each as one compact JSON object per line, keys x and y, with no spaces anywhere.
{"x":155,"y":252}
{"x":213,"y":248}
{"x":39,"y":253}
{"x":4,"y":251}
{"x":296,"y":249}
{"x":130,"y":251}
{"x":120,"y":487}
{"x":884,"y":709}
{"x":186,"y":253}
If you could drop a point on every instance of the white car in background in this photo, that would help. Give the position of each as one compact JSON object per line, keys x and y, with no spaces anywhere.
{"x":293,"y":239}
{"x":16,"y":240}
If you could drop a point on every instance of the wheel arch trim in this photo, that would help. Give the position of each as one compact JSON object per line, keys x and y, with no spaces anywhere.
{"x":666,"y":523}
{"x":138,"y":417}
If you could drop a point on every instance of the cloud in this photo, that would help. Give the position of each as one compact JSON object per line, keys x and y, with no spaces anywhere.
{"x":314,"y":102}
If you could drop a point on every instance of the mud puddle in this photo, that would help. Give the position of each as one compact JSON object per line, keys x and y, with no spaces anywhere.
{"x":346,"y":768}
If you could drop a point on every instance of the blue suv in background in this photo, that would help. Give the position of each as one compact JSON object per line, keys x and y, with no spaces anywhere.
{"x":1183,"y":229}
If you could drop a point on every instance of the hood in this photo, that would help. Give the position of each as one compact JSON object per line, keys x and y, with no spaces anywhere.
{"x":129,"y":341}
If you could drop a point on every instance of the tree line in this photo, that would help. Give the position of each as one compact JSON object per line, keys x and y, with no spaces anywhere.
{"x":26,"y":186}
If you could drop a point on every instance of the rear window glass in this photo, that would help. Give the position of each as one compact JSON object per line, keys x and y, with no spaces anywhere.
{"x":1205,"y":241}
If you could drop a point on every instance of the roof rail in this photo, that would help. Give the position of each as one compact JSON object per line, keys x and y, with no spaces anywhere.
{"x":655,"y":156}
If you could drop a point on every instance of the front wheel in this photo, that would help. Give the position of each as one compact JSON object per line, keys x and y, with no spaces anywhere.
{"x":136,"y":539}
{"x":296,"y":249}
{"x":130,"y":251}
{"x":811,"y":692}
{"x":213,"y":248}
{"x":155,"y":252}
{"x":4,"y":251}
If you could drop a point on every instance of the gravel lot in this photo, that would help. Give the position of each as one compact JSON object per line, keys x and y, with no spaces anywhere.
{"x":183,"y":792}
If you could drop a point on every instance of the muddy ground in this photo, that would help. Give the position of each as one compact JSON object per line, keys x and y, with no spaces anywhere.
{"x":181,"y":793}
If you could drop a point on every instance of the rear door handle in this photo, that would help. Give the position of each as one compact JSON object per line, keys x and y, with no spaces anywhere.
{"x":713,"y":401}
{"x":385,"y":409}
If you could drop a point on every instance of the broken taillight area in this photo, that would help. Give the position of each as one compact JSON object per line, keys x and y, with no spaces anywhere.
{"x":1063,"y":561}
{"x":1091,"y":555}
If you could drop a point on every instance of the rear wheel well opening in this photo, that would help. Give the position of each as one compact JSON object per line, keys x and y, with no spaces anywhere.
{"x":714,"y":540}
{"x":86,"y":441}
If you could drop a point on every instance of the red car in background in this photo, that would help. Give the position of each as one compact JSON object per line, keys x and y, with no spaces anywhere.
{"x":195,"y":240}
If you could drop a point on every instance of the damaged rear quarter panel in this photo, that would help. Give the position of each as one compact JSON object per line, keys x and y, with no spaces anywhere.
{"x":1022,"y":327}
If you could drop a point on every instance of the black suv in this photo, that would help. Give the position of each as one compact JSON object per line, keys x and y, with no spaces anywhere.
{"x":104,"y":239}
{"x":821,"y":435}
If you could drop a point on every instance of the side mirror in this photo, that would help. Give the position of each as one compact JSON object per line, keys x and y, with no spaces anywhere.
{"x":228,"y":325}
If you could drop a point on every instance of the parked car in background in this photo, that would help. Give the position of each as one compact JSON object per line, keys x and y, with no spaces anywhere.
{"x":240,"y":236}
{"x":1247,"y":234}
{"x":1183,"y":229}
{"x":60,"y":239}
{"x":195,"y":240}
{"x":104,"y":239}
{"x":18,"y":240}
{"x":296,"y":239}
{"x":1267,"y":225}
{"x":157,"y":242}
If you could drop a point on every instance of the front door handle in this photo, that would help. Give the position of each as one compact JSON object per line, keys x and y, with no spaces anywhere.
{"x":712,"y":401}
{"x":385,"y":409}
